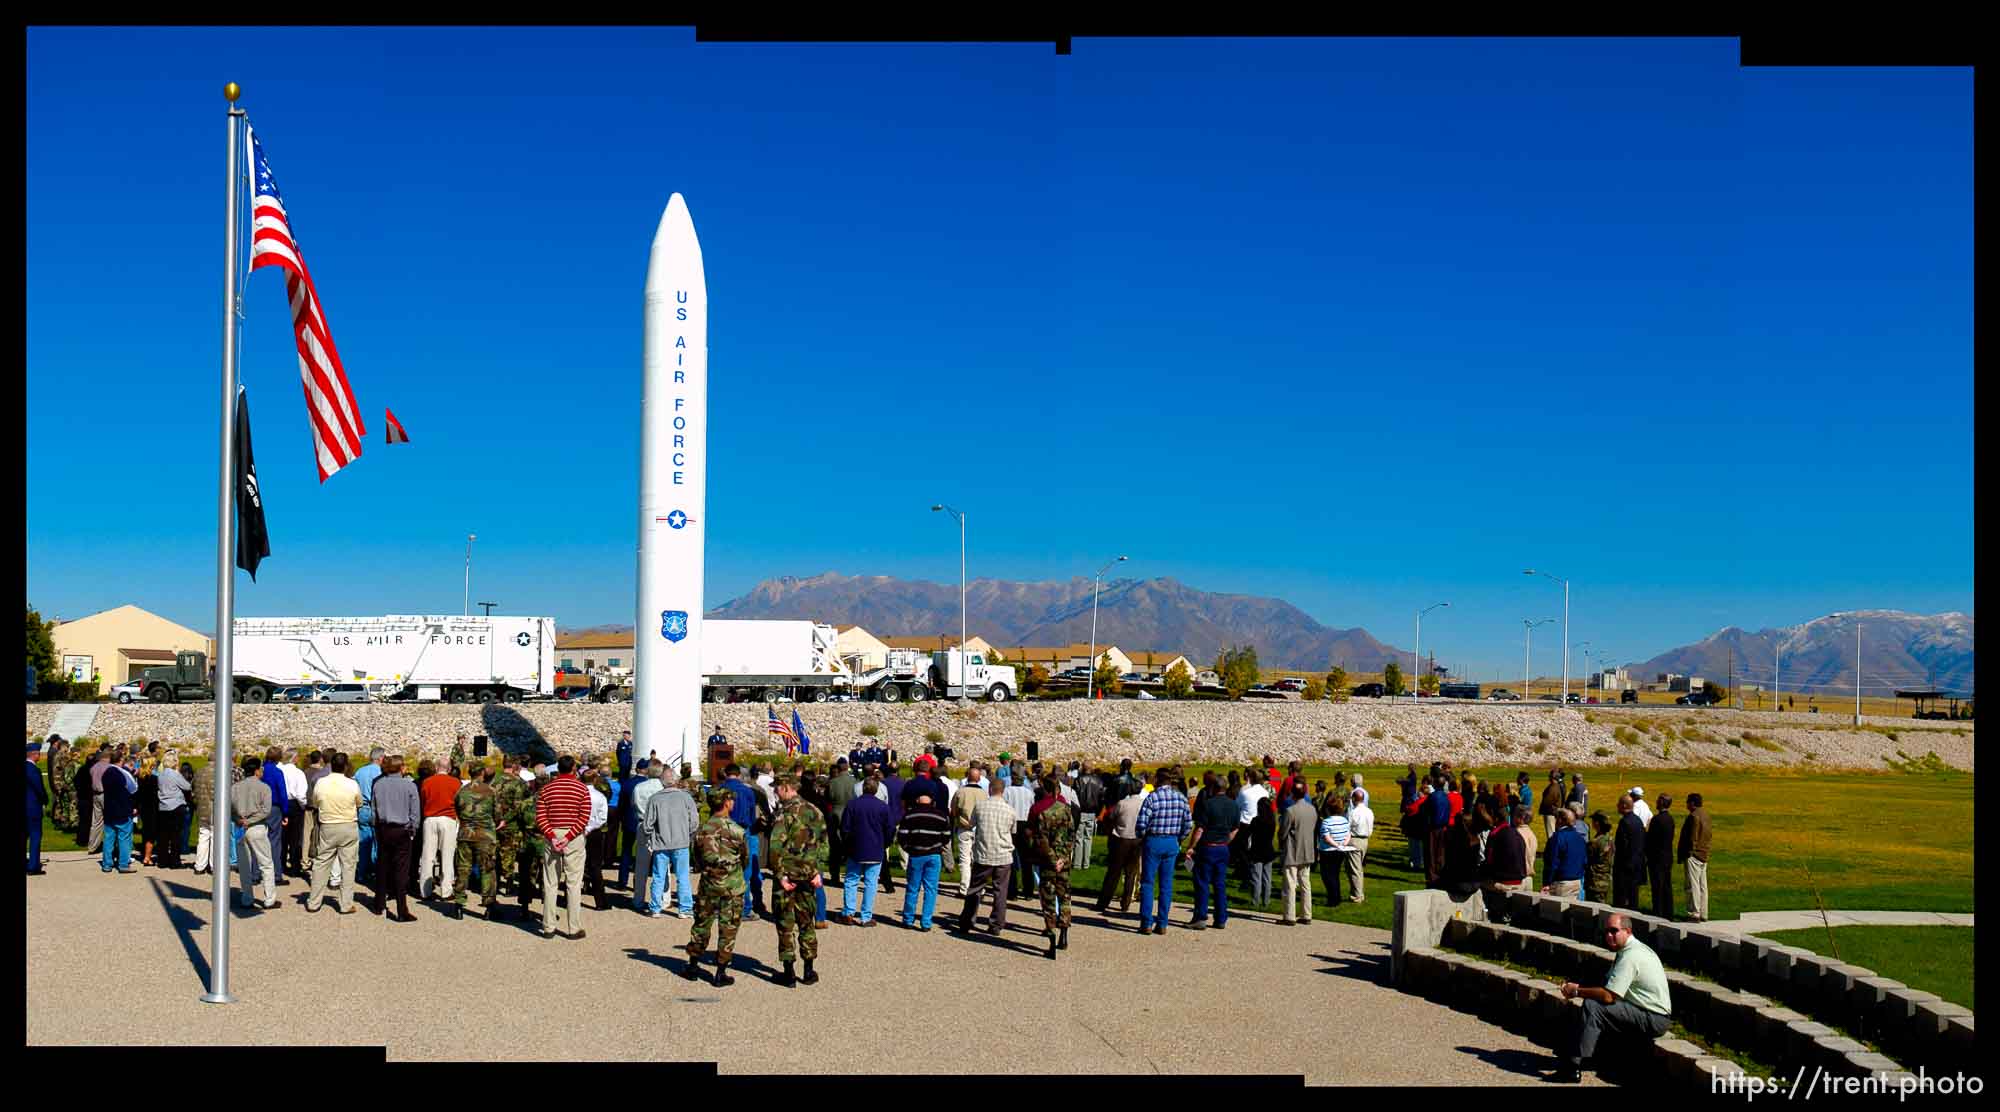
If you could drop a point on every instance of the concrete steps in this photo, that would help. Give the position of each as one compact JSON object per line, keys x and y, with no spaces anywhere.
{"x":74,"y":720}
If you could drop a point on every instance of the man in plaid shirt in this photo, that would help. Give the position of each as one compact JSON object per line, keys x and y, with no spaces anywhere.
{"x":1164,"y":819}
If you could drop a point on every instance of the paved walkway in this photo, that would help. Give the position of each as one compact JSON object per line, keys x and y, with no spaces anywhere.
{"x":1255,"y":998}
{"x":1760,"y":922}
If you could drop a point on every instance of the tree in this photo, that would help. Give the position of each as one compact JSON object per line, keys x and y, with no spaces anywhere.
{"x":1315,"y":690}
{"x":1179,"y":682}
{"x":1238,"y":668}
{"x":1392,"y":678}
{"x":1029,"y":678}
{"x":1336,"y":683}
{"x":1428,"y":683}
{"x":1106,"y":678}
{"x":42,"y":650}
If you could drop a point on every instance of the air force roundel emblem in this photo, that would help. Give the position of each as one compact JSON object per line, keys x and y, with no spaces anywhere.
{"x":674,"y":625}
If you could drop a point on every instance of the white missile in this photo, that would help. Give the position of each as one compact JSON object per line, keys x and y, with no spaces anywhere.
{"x":673,"y":493}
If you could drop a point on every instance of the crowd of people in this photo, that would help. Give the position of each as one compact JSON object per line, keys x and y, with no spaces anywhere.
{"x":810,"y":847}
{"x":1470,"y":835}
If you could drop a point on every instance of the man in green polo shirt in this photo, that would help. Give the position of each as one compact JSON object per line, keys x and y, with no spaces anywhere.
{"x":1633,"y":1001}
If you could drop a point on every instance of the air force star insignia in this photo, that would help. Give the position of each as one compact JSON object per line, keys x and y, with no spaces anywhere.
{"x":674,"y":624}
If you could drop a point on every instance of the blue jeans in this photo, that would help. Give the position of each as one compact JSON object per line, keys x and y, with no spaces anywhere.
{"x":235,"y":839}
{"x":865,"y":874}
{"x":1156,"y":880}
{"x":656,"y":893}
{"x":365,"y":853}
{"x":117,"y":845}
{"x":1211,"y":882}
{"x":923,"y":876}
{"x":752,"y":875}
{"x":819,"y":901}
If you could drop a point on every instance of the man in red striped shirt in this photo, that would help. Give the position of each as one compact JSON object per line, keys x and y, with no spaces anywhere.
{"x":562,"y":810}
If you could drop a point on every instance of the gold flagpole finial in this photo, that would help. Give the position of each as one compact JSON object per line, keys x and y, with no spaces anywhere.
{"x":231,"y":91}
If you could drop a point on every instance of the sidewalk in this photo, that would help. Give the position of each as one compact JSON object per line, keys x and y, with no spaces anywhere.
{"x":1759,"y":922}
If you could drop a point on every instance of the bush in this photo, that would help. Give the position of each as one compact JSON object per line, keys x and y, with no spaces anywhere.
{"x":871,"y":730}
{"x":1178,"y":682}
{"x":1315,"y":690}
{"x":1238,"y":668}
{"x":934,"y":736}
{"x":1601,"y":751}
{"x":1543,"y":734}
{"x":1062,"y":729}
{"x":1376,"y":733}
{"x":1124,"y":733}
{"x":1336,"y":743}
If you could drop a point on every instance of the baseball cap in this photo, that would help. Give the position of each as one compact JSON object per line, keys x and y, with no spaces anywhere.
{"x":1636,"y":791}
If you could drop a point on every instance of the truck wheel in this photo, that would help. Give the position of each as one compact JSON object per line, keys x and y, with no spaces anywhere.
{"x":918,"y":693}
{"x":888,"y":693}
{"x":487,"y":695}
{"x":256,"y":693}
{"x":160,"y":693}
{"x":512,"y":696}
{"x":997,"y":693}
{"x":770,"y":694}
{"x":818,"y":695}
{"x":709,"y":695}
{"x":460,"y":695}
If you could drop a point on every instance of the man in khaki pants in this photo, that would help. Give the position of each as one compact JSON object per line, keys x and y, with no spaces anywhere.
{"x":962,"y":804}
{"x":562,"y":810}
{"x":1694,"y":855}
{"x":1298,"y":830}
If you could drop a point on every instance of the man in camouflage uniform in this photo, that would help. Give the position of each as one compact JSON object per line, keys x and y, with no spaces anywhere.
{"x":62,"y":794}
{"x":720,"y":849}
{"x":510,"y":793}
{"x":532,"y":847}
{"x":798,"y":857}
{"x":1599,"y":855}
{"x":478,"y":838}
{"x":1054,"y":832}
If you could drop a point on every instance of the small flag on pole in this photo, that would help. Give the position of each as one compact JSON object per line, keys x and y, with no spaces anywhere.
{"x":252,"y":542}
{"x":799,"y":731}
{"x":330,"y":406}
{"x":776,"y":726}
{"x":392,"y":429}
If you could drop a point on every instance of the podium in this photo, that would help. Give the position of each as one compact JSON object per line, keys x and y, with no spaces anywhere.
{"x":720,"y":756}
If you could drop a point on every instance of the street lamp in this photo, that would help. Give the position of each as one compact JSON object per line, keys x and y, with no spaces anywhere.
{"x":489,"y":607}
{"x":1528,"y":651}
{"x":1089,"y":683}
{"x":467,"y":609}
{"x":1416,"y":654}
{"x":1565,"y":691}
{"x":1582,"y":646}
{"x":961,"y":593}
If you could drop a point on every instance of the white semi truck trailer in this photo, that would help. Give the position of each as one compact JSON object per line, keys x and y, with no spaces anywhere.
{"x":770,"y":660}
{"x":399,"y":656}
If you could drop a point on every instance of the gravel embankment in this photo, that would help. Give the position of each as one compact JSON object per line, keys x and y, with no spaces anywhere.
{"x":1359,"y":732}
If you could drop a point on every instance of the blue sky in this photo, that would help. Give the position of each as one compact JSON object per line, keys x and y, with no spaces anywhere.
{"x":1361,"y":324}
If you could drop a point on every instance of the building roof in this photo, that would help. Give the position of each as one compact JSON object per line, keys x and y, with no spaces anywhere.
{"x":162,"y":655}
{"x":597,"y":641}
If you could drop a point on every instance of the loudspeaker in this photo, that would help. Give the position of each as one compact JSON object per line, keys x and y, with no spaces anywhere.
{"x":1034,"y":751}
{"x":479,"y":745}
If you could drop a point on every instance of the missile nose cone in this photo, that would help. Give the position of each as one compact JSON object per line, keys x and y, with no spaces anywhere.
{"x":676,"y":251}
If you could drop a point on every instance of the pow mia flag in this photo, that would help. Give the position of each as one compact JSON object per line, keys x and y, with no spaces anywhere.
{"x":252,"y":542}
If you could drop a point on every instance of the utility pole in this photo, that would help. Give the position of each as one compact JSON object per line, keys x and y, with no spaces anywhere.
{"x":1857,"y":671}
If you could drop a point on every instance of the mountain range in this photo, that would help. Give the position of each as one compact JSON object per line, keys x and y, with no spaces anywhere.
{"x":1162,"y":615}
{"x":1898,"y":649}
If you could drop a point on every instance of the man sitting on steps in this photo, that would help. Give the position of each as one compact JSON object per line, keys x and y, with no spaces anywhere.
{"x":1633,"y":1001}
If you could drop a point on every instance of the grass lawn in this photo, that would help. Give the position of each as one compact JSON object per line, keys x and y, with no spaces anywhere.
{"x":1779,"y":833}
{"x":1934,"y":959}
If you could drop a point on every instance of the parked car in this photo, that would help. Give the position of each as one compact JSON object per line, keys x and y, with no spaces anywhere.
{"x":1502,"y":694}
{"x":1696,"y":699}
{"x":128,"y":691}
{"x":1132,"y":677}
{"x":1628,"y":696}
{"x":1072,"y":674}
{"x":1370,"y":691}
{"x":1290,"y":683}
{"x":1573,"y":697}
{"x":340,"y":693}
{"x":1548,"y":698}
{"x":295,"y":695}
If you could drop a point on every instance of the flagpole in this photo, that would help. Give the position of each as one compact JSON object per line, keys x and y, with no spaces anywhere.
{"x":225,"y":590}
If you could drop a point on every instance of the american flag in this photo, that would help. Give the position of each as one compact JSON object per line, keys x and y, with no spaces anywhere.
{"x":779,"y":727}
{"x":336,"y":419}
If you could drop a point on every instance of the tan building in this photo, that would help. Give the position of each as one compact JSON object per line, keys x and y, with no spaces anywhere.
{"x":117,"y":644}
{"x":1148,"y":663}
{"x":932,"y":642}
{"x":590,"y":651}
{"x":861,"y":650}
{"x":1057,"y":658}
